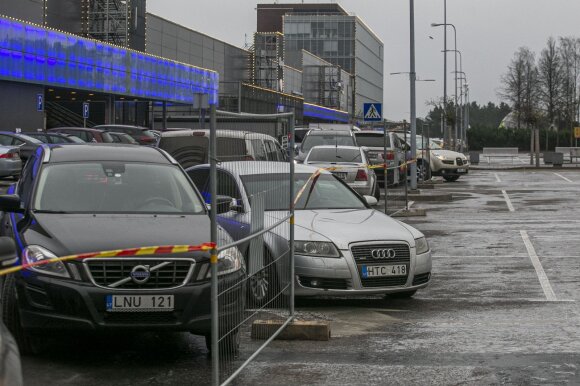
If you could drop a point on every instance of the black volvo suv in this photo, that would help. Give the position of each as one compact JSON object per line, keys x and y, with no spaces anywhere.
{"x":99,"y":197}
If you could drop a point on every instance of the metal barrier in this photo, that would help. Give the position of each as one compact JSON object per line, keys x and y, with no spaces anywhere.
{"x":251,"y":202}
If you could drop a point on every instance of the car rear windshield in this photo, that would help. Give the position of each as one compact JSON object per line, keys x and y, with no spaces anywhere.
{"x":115,"y":187}
{"x":322,"y":192}
{"x":327,"y":139}
{"x":193,"y":150}
{"x":371,"y":140}
{"x":334,"y":155}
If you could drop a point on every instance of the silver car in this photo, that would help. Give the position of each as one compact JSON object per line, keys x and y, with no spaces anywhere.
{"x":343,"y":246}
{"x":350,"y":164}
{"x":10,"y":162}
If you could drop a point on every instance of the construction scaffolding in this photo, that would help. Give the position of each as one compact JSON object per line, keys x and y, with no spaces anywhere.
{"x":268,"y":61}
{"x":108,"y":20}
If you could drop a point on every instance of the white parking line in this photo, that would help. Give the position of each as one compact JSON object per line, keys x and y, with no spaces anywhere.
{"x":497,"y":177}
{"x":564,"y":178}
{"x":544,"y":282}
{"x":508,"y":201}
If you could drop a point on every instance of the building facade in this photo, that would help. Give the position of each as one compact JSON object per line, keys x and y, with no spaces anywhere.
{"x":329,"y":32}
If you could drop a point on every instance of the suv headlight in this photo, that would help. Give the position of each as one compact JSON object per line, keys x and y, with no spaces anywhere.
{"x":35,"y":254}
{"x":316,"y":248}
{"x":421,"y":245}
{"x":229,"y":261}
{"x":441,"y":157}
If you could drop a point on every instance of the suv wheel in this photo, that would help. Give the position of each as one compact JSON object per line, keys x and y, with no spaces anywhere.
{"x":229,"y":344}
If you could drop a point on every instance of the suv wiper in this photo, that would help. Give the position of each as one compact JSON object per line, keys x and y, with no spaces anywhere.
{"x":49,"y":211}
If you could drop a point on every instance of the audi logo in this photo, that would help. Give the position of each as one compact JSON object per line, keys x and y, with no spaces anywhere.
{"x":383,"y":253}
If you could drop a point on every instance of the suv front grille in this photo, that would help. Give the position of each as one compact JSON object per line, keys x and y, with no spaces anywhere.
{"x":459,"y":162}
{"x":115,"y":273}
{"x":363,"y":256}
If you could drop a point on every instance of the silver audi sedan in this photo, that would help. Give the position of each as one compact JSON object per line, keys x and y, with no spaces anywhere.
{"x":342,"y":245}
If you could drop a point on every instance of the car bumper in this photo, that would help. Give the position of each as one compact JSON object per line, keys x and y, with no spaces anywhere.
{"x":9,"y":167}
{"x":344,"y":272}
{"x":52,"y":304}
{"x":452,"y":171}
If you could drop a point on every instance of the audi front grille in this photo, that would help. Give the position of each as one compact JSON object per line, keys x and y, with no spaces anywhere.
{"x":362,"y":254}
{"x":115,"y":273}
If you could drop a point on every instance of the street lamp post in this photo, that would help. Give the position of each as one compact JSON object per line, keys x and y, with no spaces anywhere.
{"x":445,"y":50}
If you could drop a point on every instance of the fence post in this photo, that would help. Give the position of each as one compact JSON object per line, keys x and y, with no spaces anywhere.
{"x":386,"y":180}
{"x":292,"y":193}
{"x":213,"y":237}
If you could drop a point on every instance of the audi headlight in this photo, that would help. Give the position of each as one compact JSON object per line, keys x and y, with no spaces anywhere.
{"x":316,"y":248}
{"x":229,"y":261}
{"x":441,"y":157}
{"x":36,"y":254}
{"x":421,"y":245}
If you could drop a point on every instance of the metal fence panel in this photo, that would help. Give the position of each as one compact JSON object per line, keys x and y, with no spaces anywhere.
{"x":251,"y":195}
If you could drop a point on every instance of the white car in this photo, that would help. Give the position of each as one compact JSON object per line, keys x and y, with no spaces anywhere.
{"x":350,"y":164}
{"x":445,"y":163}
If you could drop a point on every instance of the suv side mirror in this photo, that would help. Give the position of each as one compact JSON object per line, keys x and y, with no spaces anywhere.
{"x":10,"y":203}
{"x":224,"y":204}
{"x":8,"y":256}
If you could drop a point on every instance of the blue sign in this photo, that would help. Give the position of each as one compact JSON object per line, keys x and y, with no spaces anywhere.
{"x":39,"y":102}
{"x":373,"y":112}
{"x":85,"y":110}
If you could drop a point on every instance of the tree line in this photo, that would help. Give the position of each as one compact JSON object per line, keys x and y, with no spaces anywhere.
{"x":543,"y":90}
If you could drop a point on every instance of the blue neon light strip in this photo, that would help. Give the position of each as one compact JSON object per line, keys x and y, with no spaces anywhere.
{"x":33,"y":54}
{"x":320,"y":112}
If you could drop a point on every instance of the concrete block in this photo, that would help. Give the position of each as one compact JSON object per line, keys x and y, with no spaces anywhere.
{"x":297,"y":330}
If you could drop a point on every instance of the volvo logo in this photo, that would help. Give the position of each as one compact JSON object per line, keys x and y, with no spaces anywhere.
{"x":383,"y":253}
{"x":140,"y":274}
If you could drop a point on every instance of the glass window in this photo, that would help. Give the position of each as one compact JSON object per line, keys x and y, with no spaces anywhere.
{"x":335,"y":155}
{"x":116,"y":187}
{"x":226,"y":186}
{"x":371,"y":140}
{"x":5,"y":140}
{"x":324,"y":192}
{"x":188,"y":151}
{"x":271,"y":151}
{"x":327,"y":139}
{"x":259,"y":151}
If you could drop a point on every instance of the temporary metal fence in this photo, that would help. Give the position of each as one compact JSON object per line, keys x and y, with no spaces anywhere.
{"x":252,"y":267}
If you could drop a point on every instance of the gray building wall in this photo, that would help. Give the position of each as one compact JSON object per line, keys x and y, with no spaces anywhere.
{"x":18,"y":106}
{"x":369,"y":63}
{"x":173,"y":41}
{"x":30,"y":10}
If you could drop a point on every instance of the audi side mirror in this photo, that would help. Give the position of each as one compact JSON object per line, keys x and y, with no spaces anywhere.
{"x":371,"y":200}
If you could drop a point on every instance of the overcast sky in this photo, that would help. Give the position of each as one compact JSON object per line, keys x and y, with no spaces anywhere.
{"x":488,"y":33}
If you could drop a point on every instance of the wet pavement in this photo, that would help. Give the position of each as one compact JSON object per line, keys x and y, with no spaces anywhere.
{"x":502,"y":308}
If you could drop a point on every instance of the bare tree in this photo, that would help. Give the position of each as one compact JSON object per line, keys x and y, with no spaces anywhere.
{"x":570,"y":54}
{"x":550,"y":80}
{"x":521,"y":87}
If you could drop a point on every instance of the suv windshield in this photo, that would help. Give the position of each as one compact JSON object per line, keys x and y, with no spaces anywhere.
{"x":371,"y":140}
{"x":334,"y":155}
{"x":326,"y":193}
{"x":335,"y":139}
{"x":115,"y":187}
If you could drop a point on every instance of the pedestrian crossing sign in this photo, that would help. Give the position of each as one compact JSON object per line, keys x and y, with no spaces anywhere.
{"x":373,"y":112}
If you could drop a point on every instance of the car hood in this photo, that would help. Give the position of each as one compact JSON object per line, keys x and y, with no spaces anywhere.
{"x":449,"y":154}
{"x":66,"y":234}
{"x":346,"y":226}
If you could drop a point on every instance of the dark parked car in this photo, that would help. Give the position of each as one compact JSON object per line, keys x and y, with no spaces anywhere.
{"x":26,"y":144}
{"x":142,"y":135}
{"x":191,"y":147}
{"x":87,"y":135}
{"x":55,"y":137}
{"x":96,"y":197}
{"x":123,"y":138}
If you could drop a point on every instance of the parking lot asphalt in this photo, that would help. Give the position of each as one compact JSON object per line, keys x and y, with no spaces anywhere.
{"x":502,"y":308}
